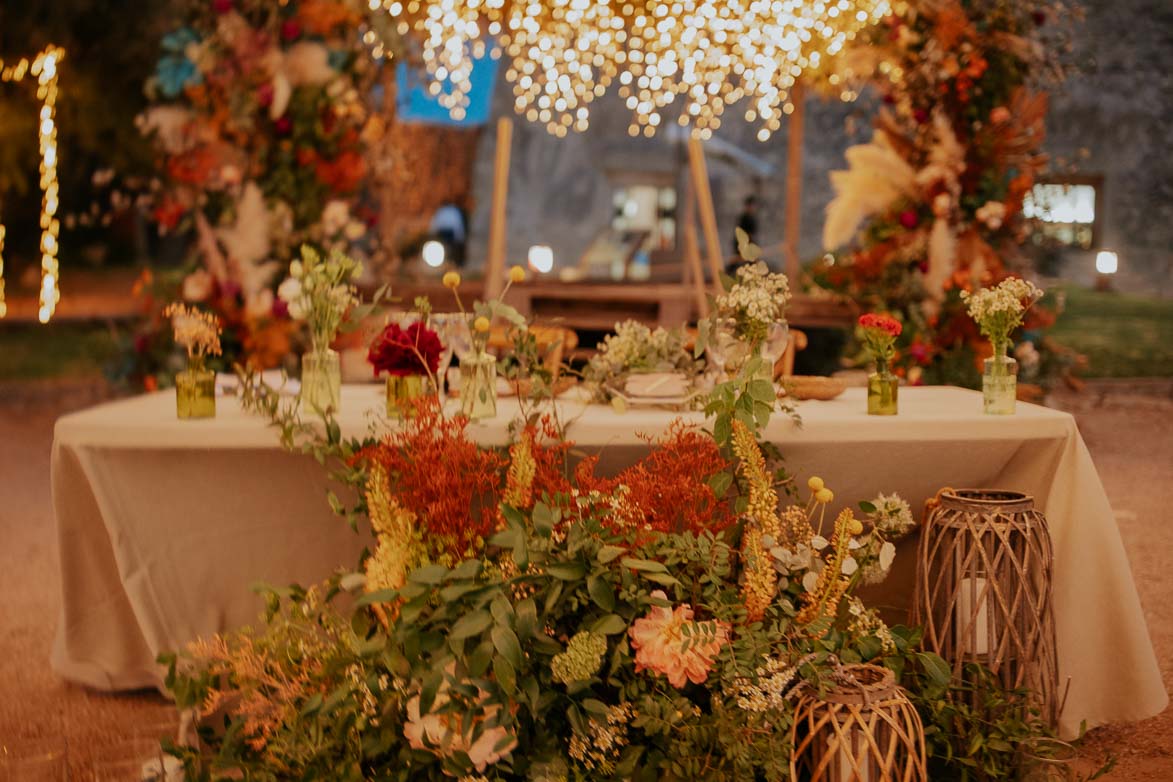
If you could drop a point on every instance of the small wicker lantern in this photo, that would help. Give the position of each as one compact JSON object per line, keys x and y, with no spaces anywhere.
{"x":983,"y":589}
{"x":864,"y":730}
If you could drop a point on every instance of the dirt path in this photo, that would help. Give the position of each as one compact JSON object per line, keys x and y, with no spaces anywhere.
{"x":1130,"y":436}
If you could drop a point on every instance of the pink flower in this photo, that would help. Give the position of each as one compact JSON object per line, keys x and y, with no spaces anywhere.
{"x":662,"y":646}
{"x":283,"y":125}
{"x":908,"y":218}
{"x":222,"y":6}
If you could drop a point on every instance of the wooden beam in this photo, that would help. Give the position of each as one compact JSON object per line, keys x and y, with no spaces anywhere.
{"x":704,"y":203}
{"x":495,"y":262}
{"x":694,"y":273}
{"x":794,"y":181}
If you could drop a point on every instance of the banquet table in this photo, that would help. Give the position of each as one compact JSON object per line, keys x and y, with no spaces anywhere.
{"x":163,"y":525}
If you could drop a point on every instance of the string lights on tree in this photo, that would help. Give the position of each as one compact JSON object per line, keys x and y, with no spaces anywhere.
{"x":42,"y":68}
{"x":697,"y":57}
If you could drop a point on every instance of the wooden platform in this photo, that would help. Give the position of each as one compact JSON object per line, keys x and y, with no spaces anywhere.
{"x":597,"y":306}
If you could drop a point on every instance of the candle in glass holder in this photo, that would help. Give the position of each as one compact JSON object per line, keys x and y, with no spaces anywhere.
{"x":847,"y":755}
{"x":972,"y":624}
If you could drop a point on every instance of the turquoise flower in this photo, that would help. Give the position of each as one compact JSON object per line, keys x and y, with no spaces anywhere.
{"x":174,"y":70}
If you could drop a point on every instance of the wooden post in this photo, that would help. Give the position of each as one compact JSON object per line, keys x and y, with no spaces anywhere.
{"x":794,"y":181}
{"x":704,"y":203}
{"x":495,"y":262}
{"x":693,"y":272}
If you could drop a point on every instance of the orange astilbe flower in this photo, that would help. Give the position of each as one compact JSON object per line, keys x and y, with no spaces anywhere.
{"x":667,"y":491}
{"x":436,"y":471}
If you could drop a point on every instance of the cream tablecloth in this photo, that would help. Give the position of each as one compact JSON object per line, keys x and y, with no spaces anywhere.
{"x":164,"y":524}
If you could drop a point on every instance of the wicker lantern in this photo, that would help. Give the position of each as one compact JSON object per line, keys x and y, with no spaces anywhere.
{"x":864,"y":730}
{"x":983,"y":589}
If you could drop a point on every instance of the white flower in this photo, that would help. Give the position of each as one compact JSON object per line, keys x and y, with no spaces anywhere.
{"x":335,"y":216}
{"x":170,"y":125}
{"x":892,"y":515}
{"x":290,"y":292}
{"x":197,"y":286}
{"x":1028,"y":355}
{"x":992,"y":213}
{"x":942,"y":204}
{"x":355,"y":230}
{"x":999,"y":310}
{"x":259,"y":304}
{"x":757,"y":299}
{"x":307,"y":63}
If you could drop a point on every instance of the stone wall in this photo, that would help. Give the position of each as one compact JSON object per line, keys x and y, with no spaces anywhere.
{"x":1120,"y":110}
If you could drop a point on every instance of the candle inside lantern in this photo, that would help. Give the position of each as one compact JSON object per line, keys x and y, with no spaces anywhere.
{"x":847,"y":764}
{"x":972,"y":616}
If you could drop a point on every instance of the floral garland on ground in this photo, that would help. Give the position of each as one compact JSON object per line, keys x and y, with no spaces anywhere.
{"x":939,"y":189}
{"x":259,"y":124}
{"x":521,"y":619}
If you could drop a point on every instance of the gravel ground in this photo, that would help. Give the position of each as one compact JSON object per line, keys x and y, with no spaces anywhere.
{"x":1128,"y":427}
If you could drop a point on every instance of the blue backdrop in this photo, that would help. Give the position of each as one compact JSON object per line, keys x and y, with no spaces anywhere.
{"x":416,"y":105}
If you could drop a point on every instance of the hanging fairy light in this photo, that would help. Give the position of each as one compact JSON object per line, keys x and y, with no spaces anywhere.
{"x":43,"y":68}
{"x":694,"y":57}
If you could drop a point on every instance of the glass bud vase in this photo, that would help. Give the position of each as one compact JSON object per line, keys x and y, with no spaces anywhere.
{"x":195,"y":393}
{"x":321,"y":379}
{"x":402,"y":391}
{"x":999,"y":382}
{"x":882,"y":389}
{"x":478,"y":386}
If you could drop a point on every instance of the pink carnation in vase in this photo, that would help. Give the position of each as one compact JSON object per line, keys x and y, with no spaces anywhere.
{"x":414,"y":350}
{"x":661,"y":646}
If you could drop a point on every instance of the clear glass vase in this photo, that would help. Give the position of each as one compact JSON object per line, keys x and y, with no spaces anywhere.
{"x":478,"y":386}
{"x":403,"y":391}
{"x":195,"y":392}
{"x":883,"y":386}
{"x":999,"y":382}
{"x":321,"y":379}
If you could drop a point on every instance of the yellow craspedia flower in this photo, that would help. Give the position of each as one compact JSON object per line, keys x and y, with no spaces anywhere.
{"x":815,"y":483}
{"x":481,"y":324}
{"x":451,"y":280}
{"x":824,"y":496}
{"x":516,"y":274}
{"x":855,"y":526}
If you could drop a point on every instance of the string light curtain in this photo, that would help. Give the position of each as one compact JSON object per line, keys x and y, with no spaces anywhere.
{"x":701,"y":56}
{"x":43,"y":69}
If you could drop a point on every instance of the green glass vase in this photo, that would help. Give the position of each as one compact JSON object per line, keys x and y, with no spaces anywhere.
{"x":478,"y":386}
{"x":195,"y":393}
{"x":403,"y":391}
{"x":882,"y":389}
{"x":999,"y":382}
{"x":321,"y":380}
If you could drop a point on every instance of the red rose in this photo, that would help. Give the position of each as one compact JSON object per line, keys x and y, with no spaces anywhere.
{"x":411,"y":351}
{"x":222,"y":6}
{"x":290,"y":30}
{"x":265,"y":94}
{"x":283,"y":125}
{"x":909,"y":219}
